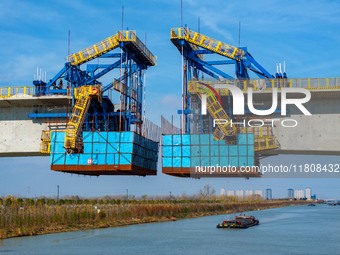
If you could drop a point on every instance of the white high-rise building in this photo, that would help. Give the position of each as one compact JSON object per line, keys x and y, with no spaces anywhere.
{"x":299,"y":193}
{"x":308,"y":193}
{"x":230,"y":193}
{"x":248,"y":193}
{"x":222,"y":192}
{"x":258,"y":192}
{"x":239,"y":193}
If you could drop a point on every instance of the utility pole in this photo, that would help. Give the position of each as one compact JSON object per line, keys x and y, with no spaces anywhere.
{"x":58,"y":193}
{"x":127,"y":195}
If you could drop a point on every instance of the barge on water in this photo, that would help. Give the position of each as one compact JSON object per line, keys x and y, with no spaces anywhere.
{"x":242,"y":221}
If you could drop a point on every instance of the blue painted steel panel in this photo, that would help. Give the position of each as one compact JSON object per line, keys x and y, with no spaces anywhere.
{"x":112,"y":148}
{"x":167,"y":140}
{"x":214,"y":150}
{"x":213,"y":141}
{"x":88,"y":148}
{"x":177,"y":139}
{"x":85,"y":159}
{"x":195,"y":161}
{"x":251,"y":150}
{"x":167,"y":151}
{"x":243,"y":161}
{"x":87,"y":137}
{"x":250,"y":138}
{"x":108,"y":148}
{"x":233,"y":161}
{"x":205,"y":139}
{"x":251,"y":161}
{"x":101,"y":159}
{"x":205,"y":150}
{"x":224,"y":161}
{"x":126,"y":137}
{"x":97,"y":138}
{"x":185,"y":139}
{"x":185,"y":162}
{"x":215,"y":161}
{"x":126,"y":147}
{"x":195,"y":139}
{"x":233,"y":150}
{"x":242,"y":150}
{"x":186,"y":151}
{"x":58,"y":136}
{"x":58,"y":159}
{"x":205,"y":161}
{"x":72,"y":159}
{"x":113,"y":137}
{"x":242,"y":139}
{"x":195,"y":150}
{"x":98,"y":147}
{"x":177,"y":161}
{"x":111,"y":159}
{"x":125,"y":159}
{"x":57,"y":147}
{"x":167,"y":162}
{"x":177,"y":151}
{"x":224,"y":150}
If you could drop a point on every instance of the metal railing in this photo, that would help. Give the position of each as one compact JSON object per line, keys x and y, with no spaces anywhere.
{"x":109,"y":44}
{"x":207,"y":42}
{"x":130,"y":36}
{"x":268,"y":85}
{"x":6,"y":92}
{"x":93,"y":51}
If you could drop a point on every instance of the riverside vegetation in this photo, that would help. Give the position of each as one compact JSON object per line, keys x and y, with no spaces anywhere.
{"x":27,"y":216}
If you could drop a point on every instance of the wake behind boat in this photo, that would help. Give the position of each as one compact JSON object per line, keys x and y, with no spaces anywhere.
{"x":239,"y":222}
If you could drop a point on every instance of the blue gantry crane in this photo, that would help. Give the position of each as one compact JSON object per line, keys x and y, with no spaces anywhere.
{"x":97,"y":137}
{"x":194,"y":48}
{"x":198,"y":142}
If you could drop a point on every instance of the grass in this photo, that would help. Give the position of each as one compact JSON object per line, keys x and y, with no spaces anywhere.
{"x":26,"y":217}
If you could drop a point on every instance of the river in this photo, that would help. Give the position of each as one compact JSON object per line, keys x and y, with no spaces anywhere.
{"x":287,"y":230}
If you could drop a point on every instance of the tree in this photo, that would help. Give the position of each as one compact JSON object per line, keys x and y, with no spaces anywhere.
{"x":207,"y":191}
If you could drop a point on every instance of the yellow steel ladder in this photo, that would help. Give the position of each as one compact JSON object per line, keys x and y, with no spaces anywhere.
{"x":74,"y":125}
{"x":215,"y":109}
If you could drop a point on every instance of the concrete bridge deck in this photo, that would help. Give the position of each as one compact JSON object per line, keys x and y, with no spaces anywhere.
{"x":21,"y":135}
{"x":317,"y":134}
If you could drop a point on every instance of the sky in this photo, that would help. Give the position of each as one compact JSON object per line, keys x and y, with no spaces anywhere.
{"x":35,"y":33}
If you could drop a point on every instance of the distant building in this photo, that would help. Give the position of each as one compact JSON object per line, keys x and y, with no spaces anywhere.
{"x":299,"y":194}
{"x":258,"y":192}
{"x":308,"y":193}
{"x":290,"y":193}
{"x":248,"y":193}
{"x":269,"y":194}
{"x":239,"y":193}
{"x":230,"y":193}
{"x":222,"y":192}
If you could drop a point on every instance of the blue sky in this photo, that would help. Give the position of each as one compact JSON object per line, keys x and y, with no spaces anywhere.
{"x":34,"y":33}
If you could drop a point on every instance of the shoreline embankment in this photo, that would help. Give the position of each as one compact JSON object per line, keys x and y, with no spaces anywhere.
{"x":28,"y":217}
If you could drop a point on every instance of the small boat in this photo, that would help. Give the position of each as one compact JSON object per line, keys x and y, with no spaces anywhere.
{"x":311,"y":204}
{"x":239,"y":222}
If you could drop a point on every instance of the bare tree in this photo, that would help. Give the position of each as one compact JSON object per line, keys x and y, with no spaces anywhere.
{"x":207,"y":191}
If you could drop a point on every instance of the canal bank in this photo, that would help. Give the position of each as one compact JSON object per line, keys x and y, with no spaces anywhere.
{"x":24,"y":217}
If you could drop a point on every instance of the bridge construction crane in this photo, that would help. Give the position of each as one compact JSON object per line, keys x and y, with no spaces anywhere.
{"x":194,"y":48}
{"x":94,"y":114}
